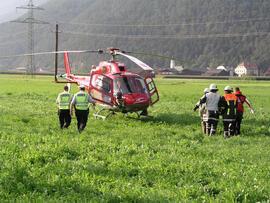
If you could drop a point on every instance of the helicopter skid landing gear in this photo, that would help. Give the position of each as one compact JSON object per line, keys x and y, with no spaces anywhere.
{"x":144,"y":113}
{"x":100,"y":116}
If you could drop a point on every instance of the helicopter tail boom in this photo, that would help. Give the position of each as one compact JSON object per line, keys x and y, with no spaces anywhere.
{"x":67,"y":67}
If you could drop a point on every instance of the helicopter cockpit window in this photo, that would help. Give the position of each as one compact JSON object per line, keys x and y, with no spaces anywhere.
{"x":123,"y":85}
{"x":98,"y":83}
{"x":103,"y":83}
{"x":140,"y":85}
{"x":106,"y":85}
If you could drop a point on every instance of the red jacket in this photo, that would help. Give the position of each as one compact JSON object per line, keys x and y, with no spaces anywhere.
{"x":240,"y":101}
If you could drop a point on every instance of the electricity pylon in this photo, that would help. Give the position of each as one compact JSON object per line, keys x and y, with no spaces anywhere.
{"x":30,"y":21}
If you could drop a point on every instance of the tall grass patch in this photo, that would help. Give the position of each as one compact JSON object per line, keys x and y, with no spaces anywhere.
{"x":161,"y":159}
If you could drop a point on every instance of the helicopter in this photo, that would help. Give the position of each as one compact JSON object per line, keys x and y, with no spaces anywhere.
{"x":110,"y":84}
{"x":113,"y":87}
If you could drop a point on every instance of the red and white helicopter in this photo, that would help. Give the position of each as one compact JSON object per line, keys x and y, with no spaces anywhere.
{"x":110,"y":84}
{"x":114,"y":88}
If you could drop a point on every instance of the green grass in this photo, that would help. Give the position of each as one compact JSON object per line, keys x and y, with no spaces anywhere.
{"x":163,"y":159}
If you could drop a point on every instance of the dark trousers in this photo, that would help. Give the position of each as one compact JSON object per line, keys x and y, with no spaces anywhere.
{"x":229,"y":128}
{"x":238,"y":121}
{"x":211,"y":122}
{"x":82,"y":117}
{"x":64,"y":118}
{"x":211,"y":127}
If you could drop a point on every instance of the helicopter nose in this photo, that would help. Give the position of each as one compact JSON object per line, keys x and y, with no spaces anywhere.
{"x":136,"y":99}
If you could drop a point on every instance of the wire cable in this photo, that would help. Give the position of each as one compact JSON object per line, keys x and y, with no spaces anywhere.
{"x":168,"y":25}
{"x":224,"y":35}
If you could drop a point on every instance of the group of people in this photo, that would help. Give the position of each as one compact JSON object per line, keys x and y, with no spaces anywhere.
{"x":229,"y":106}
{"x":212,"y":105}
{"x":80,"y":101}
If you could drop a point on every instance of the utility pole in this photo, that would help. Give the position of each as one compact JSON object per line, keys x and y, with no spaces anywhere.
{"x":30,"y":20}
{"x":56,"y":52}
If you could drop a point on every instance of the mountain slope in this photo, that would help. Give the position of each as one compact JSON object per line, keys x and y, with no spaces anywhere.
{"x":203,"y":33}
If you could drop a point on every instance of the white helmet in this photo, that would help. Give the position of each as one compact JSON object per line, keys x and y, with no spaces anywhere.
{"x":228,"y":88}
{"x":213,"y":87}
{"x":206,"y":90}
{"x":82,"y":87}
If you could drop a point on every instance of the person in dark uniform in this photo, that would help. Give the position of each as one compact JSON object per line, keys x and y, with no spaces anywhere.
{"x":63,"y":100}
{"x":81,"y":102}
{"x":228,"y":111}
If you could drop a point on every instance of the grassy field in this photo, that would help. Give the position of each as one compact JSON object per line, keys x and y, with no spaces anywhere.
{"x":163,"y":159}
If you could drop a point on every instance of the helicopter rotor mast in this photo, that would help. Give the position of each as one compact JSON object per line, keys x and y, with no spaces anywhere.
{"x":113,"y":52}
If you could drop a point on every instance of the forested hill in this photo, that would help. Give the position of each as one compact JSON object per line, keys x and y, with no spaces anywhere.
{"x":202,"y":33}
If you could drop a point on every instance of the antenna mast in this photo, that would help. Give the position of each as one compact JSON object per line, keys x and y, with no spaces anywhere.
{"x":30,"y":20}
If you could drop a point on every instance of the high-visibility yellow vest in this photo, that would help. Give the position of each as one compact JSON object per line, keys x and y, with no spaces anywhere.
{"x":81,"y":99}
{"x":64,"y":100}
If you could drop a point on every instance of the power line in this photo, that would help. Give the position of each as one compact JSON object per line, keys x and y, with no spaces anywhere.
{"x":168,"y":25}
{"x":30,"y":20}
{"x":224,"y":35}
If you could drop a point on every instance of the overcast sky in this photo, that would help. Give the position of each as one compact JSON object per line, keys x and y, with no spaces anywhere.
{"x":8,"y":8}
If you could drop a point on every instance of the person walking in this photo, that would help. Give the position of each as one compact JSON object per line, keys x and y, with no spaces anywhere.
{"x":81,"y":102}
{"x":228,"y":111}
{"x":211,"y":100}
{"x":202,"y":111}
{"x":63,"y":100}
{"x":241,"y":99}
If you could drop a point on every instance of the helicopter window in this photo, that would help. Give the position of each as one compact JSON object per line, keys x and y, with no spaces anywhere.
{"x":121,"y":68}
{"x":106,"y":85}
{"x":140,"y":85}
{"x":102,"y":83}
{"x":151,"y":85}
{"x":123,"y":85}
{"x":98,"y":82}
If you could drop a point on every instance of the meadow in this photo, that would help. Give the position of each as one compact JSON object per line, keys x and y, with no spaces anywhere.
{"x":125,"y":159}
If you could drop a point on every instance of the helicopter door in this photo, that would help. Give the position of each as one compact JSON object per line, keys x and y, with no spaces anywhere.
{"x":152,"y":89}
{"x":101,"y":88}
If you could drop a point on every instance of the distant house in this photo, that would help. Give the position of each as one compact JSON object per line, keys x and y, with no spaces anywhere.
{"x":40,"y":69}
{"x":246,"y":69}
{"x":267,"y":73}
{"x":217,"y":72}
{"x":20,"y":69}
{"x":191,"y":72}
{"x":167,"y":72}
{"x":179,"y":68}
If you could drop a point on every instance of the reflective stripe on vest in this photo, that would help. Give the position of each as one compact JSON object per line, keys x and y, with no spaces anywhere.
{"x":64,"y":100}
{"x":228,"y":120}
{"x":82,"y":101}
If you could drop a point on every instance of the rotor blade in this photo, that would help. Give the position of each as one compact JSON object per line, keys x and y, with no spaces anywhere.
{"x":53,"y":52}
{"x":160,"y":56}
{"x":137,"y":61}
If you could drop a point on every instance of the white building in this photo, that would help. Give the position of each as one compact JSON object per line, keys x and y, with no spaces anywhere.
{"x":246,"y":69}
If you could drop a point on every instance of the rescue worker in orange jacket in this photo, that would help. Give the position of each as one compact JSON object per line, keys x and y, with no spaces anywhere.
{"x":212,"y":100}
{"x":228,"y":111}
{"x":241,"y":99}
{"x":202,"y":111}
